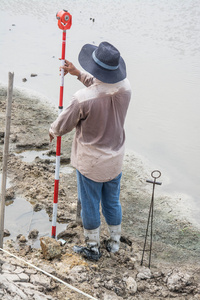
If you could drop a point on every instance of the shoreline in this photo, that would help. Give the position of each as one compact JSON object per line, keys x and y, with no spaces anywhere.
{"x":176,"y":241}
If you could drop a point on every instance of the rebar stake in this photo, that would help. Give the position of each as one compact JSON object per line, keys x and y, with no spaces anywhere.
{"x":155,"y":176}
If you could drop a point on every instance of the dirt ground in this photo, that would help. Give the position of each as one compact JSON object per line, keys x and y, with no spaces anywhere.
{"x":175,"y":262}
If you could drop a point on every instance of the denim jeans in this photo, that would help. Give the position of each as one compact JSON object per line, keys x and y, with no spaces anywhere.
{"x":91,"y":193}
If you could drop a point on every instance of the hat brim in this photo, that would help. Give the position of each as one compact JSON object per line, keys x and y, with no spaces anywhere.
{"x":88,"y":64}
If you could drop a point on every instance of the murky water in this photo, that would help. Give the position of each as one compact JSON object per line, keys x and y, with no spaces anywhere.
{"x":161,"y":45}
{"x":20,"y":218}
{"x":19,"y":211}
{"x":30,"y":155}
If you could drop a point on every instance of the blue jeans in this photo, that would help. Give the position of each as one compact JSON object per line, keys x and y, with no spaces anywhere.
{"x":90,"y":193}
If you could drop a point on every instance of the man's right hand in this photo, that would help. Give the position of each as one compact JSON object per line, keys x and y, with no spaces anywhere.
{"x":70,"y":68}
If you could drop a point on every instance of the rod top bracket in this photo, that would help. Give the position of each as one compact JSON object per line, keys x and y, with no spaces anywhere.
{"x":64,"y":19}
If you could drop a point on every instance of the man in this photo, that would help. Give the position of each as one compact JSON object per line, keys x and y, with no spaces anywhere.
{"x":98,"y":113}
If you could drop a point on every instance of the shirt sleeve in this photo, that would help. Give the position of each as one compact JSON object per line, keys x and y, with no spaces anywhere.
{"x":67,"y":120}
{"x":86,"y":78}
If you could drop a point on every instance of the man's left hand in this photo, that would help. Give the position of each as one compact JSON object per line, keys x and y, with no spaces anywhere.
{"x":51,"y":137}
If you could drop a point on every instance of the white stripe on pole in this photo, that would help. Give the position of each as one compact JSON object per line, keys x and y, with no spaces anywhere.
{"x":59,"y":111}
{"x":54,"y":216}
{"x":57,"y":167}
{"x":62,"y":72}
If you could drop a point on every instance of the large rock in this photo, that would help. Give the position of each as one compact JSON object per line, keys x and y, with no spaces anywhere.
{"x":131,"y":285}
{"x":180,"y":282}
{"x":50,"y":247}
{"x":144,"y":273}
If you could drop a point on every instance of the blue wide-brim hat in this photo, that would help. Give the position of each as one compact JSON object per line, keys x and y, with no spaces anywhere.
{"x":103,"y":62}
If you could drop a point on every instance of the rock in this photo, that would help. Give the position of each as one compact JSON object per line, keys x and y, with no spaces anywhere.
{"x":109,"y":284}
{"x":66,"y":234}
{"x":33,"y":234}
{"x":37,"y":207}
{"x":24,"y":79}
{"x":78,"y":274}
{"x":33,"y":75}
{"x":131,"y":285}
{"x":180,"y":282}
{"x":6,"y":232}
{"x":22,"y":239}
{"x":111,"y":296}
{"x":40,"y":279}
{"x":8,"y":267}
{"x":125,"y":240}
{"x":23,"y":277}
{"x":10,"y":194}
{"x":144,"y":273}
{"x":50,"y":247}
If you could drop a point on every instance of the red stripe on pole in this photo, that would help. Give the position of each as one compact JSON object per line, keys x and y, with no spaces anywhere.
{"x":53,"y":232}
{"x":63,"y":44}
{"x":61,"y":96}
{"x":58,"y":146}
{"x":56,"y":186}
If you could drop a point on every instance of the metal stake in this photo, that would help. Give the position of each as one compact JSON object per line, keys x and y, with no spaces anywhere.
{"x":155,"y":174}
{"x":5,"y":154}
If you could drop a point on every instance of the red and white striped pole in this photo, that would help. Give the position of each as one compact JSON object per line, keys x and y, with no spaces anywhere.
{"x":64,"y":23}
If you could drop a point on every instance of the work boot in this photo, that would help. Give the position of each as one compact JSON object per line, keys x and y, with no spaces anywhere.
{"x":92,"y":250}
{"x":112,"y":244}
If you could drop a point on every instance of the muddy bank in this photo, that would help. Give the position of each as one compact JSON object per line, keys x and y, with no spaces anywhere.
{"x":176,"y":242}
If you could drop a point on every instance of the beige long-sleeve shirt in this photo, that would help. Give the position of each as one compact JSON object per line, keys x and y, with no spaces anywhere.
{"x":98,"y":113}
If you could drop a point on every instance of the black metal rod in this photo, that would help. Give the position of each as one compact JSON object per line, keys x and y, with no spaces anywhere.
{"x":150,"y":216}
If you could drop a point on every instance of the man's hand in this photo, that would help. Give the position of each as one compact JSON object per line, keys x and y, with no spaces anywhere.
{"x":51,"y":137}
{"x":70,"y":68}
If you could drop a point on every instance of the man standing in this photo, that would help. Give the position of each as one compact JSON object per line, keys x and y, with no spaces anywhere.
{"x":98,"y":113}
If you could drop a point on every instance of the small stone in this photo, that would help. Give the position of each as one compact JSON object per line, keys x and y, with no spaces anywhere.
{"x":33,"y":75}
{"x":8,"y":267}
{"x":109,"y":284}
{"x":50,"y":247}
{"x":33,"y":234}
{"x":18,"y":270}
{"x":11,"y":277}
{"x":22,"y":239}
{"x":41,"y":280}
{"x":37,"y":207}
{"x":6,"y":232}
{"x":24,"y":79}
{"x":144,"y":273}
{"x":30,"y":271}
{"x":126,"y":240}
{"x":96,"y":285}
{"x":23,"y":277}
{"x":111,"y":296}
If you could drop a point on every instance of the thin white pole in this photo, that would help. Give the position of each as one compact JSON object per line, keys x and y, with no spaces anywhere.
{"x":5,"y":154}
